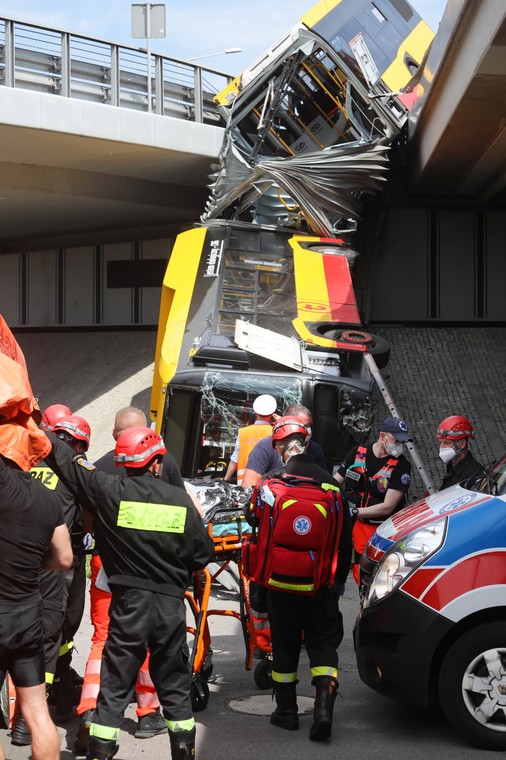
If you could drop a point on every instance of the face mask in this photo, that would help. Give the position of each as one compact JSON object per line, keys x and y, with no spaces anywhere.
{"x":394,"y":449}
{"x":293,"y":449}
{"x":447,"y":454}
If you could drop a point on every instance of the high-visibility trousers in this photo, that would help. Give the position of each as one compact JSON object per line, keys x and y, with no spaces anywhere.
{"x":145,"y":693}
{"x":360,"y":536}
{"x":259,"y":617}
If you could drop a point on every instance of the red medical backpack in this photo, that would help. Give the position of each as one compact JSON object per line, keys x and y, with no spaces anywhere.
{"x":294,"y":546}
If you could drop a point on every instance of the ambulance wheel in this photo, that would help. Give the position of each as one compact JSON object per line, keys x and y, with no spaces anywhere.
{"x":199,"y":694}
{"x":263,"y":674}
{"x":472,"y":686}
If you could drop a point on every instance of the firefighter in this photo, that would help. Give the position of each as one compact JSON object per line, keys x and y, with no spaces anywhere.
{"x":264,"y":458}
{"x":62,"y":593}
{"x":150,"y":721}
{"x":376,"y":480}
{"x":454,"y":434}
{"x":150,"y":539}
{"x":316,"y":618}
{"x":264,"y":407}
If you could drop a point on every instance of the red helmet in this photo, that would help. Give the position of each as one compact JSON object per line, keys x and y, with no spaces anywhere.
{"x":75,"y":426}
{"x":137,"y":446}
{"x":286,"y":426}
{"x":52,"y":414}
{"x":454,"y":428}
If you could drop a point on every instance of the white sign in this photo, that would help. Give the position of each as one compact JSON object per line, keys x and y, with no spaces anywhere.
{"x":148,"y":25}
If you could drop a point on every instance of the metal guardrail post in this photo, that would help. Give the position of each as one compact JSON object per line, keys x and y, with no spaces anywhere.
{"x":115,"y":97}
{"x":10,"y":63}
{"x":51,"y":64}
{"x":199,"y":110}
{"x":159,"y":85}
{"x":65,"y":65}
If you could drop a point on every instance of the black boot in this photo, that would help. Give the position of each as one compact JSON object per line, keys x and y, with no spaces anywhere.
{"x":101,"y":749}
{"x":326,"y":691}
{"x":20,"y":735}
{"x":285,"y":714}
{"x":182,"y":744}
{"x":83,"y":733}
{"x":63,"y":691}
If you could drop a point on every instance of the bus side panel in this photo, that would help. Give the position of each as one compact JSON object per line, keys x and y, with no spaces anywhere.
{"x":177,"y":290}
{"x":324,"y":293}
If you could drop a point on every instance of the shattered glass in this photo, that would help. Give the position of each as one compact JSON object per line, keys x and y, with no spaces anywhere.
{"x":227,"y":402}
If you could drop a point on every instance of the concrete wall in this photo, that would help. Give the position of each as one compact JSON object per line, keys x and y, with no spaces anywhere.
{"x":439,"y":266}
{"x":69,"y":287}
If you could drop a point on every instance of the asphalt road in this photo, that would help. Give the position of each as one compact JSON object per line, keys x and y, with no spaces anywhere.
{"x":366,"y":725}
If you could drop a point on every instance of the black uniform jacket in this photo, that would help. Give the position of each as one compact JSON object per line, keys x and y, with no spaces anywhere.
{"x":468,"y":470}
{"x":148,"y":533}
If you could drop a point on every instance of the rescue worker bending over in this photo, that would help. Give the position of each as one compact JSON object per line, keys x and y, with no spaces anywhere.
{"x":454,"y":434}
{"x":264,"y":457}
{"x":150,"y":539}
{"x":316,"y":617}
{"x":376,"y":479}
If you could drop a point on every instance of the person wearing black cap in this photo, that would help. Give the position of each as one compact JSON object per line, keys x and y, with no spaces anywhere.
{"x":376,"y":480}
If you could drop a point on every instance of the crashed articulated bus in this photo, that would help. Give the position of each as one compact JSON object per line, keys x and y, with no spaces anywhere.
{"x":258,"y":297}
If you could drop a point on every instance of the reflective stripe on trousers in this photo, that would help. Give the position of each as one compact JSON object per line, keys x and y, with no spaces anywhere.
{"x":147,"y":700}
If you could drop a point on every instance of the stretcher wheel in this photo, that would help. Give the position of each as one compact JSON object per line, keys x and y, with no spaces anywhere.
{"x":262,"y":674}
{"x":199,"y":694}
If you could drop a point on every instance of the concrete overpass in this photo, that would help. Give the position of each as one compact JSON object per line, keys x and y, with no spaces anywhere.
{"x":81,"y":159}
{"x":458,"y":128}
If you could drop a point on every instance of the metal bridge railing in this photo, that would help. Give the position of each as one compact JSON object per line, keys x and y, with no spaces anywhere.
{"x":62,"y":63}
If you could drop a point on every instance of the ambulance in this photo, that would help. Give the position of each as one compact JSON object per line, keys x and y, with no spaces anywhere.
{"x":432,"y":628}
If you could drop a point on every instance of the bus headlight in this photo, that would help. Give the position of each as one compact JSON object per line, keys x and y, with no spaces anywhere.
{"x":403,"y":558}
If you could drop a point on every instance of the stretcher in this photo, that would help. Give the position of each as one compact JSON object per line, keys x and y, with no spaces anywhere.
{"x":224,"y":517}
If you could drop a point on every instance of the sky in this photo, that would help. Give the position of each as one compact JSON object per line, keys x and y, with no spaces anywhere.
{"x":194,"y":27}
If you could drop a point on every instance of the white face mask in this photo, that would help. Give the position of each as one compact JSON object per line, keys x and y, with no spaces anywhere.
{"x":447,"y":454}
{"x":394,"y":449}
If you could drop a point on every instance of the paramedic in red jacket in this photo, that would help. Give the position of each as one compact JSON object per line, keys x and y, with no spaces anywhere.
{"x":316,"y":618}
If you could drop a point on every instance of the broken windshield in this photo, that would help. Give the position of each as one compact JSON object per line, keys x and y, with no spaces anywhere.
{"x":227,"y":402}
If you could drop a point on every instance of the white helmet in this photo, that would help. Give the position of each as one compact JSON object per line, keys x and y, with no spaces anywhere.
{"x":264,"y":405}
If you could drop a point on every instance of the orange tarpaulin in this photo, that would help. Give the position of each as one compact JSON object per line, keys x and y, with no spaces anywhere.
{"x":20,"y":439}
{"x":9,"y":345}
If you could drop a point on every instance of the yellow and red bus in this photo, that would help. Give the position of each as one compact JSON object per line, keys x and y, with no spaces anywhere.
{"x":295,"y":290}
